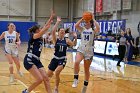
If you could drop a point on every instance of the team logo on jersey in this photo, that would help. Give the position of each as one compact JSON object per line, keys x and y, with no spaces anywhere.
{"x":11,"y":37}
{"x":87,"y":32}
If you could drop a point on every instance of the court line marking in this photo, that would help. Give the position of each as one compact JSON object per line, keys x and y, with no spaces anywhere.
{"x":19,"y":82}
{"x":125,"y":78}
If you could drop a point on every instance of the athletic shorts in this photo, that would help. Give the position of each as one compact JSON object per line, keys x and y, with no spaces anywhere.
{"x":12,"y":50}
{"x":87,"y":52}
{"x":57,"y":62}
{"x":30,"y":61}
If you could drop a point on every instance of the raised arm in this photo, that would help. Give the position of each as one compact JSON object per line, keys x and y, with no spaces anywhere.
{"x":55,"y":28}
{"x":45,"y":28}
{"x":2,"y":35}
{"x":51,"y":17}
{"x":97,"y":29}
{"x":74,"y":42}
{"x":77,"y":25}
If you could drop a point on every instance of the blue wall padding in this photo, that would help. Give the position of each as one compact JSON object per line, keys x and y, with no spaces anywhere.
{"x":22,"y":27}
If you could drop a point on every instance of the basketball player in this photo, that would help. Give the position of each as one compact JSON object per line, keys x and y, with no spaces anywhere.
{"x":85,"y":50}
{"x":32,"y":61}
{"x":12,"y":41}
{"x":58,"y":62}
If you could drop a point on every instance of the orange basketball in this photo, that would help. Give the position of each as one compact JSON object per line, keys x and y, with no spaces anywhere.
{"x":87,"y":16}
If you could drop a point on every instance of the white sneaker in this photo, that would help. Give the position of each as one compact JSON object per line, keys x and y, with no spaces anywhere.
{"x":20,"y":73}
{"x":84,"y":89}
{"x":25,"y":91}
{"x":75,"y":83}
{"x":11,"y":78}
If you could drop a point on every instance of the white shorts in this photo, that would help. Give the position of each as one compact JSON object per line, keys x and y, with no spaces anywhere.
{"x":12,"y":50}
{"x":86,"y":51}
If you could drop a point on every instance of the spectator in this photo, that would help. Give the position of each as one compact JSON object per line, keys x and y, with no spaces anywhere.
{"x":49,"y":43}
{"x":129,"y":45}
{"x":138,"y":45}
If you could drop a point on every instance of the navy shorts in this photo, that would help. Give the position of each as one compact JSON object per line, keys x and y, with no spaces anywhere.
{"x":29,"y":62}
{"x":57,"y":62}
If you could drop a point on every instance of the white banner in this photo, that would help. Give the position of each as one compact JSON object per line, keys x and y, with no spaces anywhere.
{"x":112,"y":48}
{"x":99,"y":46}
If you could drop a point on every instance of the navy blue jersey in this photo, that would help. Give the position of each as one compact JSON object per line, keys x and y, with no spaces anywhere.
{"x":35,"y":46}
{"x":60,"y":48}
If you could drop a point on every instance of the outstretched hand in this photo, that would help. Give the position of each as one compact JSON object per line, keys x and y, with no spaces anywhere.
{"x":58,"y":19}
{"x":52,"y":13}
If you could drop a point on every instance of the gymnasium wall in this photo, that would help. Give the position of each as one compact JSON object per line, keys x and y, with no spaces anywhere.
{"x":82,"y":5}
{"x":18,"y":10}
{"x":132,"y":20}
{"x":132,"y":15}
{"x":21,"y":10}
{"x":43,"y":9}
{"x":22,"y":27}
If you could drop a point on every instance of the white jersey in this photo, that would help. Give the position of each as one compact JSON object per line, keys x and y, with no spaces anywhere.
{"x":10,"y":39}
{"x":87,"y":42}
{"x":87,"y":37}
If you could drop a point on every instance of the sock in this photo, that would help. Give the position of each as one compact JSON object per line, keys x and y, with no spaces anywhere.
{"x":76,"y":76}
{"x":85,"y":83}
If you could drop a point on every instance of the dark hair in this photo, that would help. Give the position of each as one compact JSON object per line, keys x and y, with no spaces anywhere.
{"x":60,"y":28}
{"x":92,"y":24}
{"x":129,"y":31}
{"x":33,"y":29}
{"x":67,"y":30}
{"x":9,"y":23}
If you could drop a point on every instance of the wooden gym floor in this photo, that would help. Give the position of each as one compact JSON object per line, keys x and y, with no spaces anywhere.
{"x":105,"y":76}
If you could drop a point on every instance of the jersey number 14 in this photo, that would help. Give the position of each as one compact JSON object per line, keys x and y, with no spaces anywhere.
{"x":86,"y":37}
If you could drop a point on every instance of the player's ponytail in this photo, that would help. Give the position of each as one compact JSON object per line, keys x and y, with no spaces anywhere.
{"x":67,"y":30}
{"x":92,"y":24}
{"x":33,"y":29}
